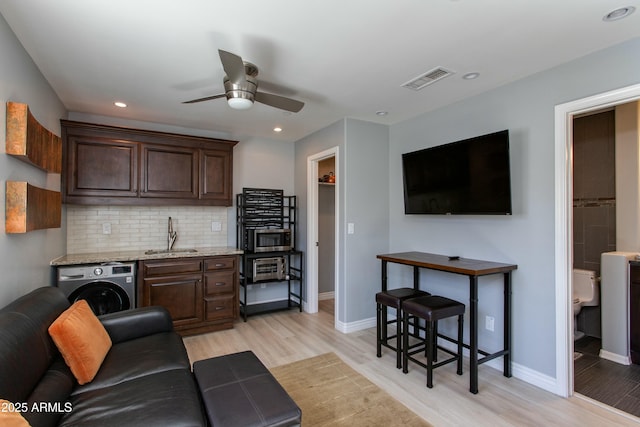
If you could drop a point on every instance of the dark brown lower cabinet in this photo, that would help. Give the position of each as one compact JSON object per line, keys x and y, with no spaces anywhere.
{"x":634,"y":312}
{"x":201,"y":293}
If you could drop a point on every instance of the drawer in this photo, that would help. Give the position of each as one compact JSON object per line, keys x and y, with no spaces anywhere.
{"x":217,"y":308}
{"x":220,"y":263}
{"x":171,"y":266}
{"x":221,"y":282}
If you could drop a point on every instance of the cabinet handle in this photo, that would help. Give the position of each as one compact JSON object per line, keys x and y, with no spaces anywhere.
{"x":220,"y":265}
{"x":220,"y":283}
{"x":219,"y":308}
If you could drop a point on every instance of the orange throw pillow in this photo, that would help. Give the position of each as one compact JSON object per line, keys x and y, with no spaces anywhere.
{"x":81,"y":339}
{"x":10,"y":416}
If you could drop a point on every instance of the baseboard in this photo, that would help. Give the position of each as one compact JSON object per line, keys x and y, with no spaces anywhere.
{"x":349,"y":327}
{"x":614,"y":357}
{"x":326,"y":295}
{"x":523,"y":373}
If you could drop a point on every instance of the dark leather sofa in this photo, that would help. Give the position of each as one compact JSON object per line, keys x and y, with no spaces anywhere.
{"x":145,"y":379}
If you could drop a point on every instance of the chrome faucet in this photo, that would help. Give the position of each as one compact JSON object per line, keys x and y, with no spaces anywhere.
{"x":172,"y":236}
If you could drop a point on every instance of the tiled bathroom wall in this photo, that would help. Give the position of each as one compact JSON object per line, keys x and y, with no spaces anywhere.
{"x":594,"y":201}
{"x":118,"y":228}
{"x":594,"y":189}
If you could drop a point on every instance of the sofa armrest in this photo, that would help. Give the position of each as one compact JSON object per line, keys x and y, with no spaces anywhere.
{"x":136,"y":323}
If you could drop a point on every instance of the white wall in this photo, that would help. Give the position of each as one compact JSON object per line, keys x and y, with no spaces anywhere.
{"x":24,"y":258}
{"x":526,"y":108}
{"x":628,"y":177}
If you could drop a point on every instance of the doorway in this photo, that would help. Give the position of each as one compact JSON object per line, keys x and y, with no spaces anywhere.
{"x":326,"y":232}
{"x":323,"y":200}
{"x":564,"y":115}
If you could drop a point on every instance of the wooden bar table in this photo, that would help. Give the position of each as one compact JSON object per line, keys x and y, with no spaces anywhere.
{"x":473,"y":269}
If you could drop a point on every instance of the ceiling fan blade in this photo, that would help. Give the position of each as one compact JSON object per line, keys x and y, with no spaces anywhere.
{"x":279,"y":102}
{"x":206,"y":98}
{"x":233,"y":66}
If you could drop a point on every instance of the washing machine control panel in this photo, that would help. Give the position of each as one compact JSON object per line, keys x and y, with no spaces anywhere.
{"x":79,"y":272}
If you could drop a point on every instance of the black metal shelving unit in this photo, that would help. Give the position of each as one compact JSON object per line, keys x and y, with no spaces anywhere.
{"x":260,"y":208}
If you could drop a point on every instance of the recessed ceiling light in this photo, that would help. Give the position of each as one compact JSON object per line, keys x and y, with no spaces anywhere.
{"x":381,"y":113}
{"x":471,"y":76}
{"x":120,"y":104}
{"x":619,"y":13}
{"x":277,"y":129}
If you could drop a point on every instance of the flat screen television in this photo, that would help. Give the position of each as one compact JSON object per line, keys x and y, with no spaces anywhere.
{"x":469,"y":177}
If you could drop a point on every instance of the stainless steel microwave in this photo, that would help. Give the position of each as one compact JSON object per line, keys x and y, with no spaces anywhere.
{"x":269,"y":240}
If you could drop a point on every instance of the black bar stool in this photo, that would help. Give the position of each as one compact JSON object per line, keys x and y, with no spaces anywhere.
{"x":431,"y":308}
{"x":392,"y":298}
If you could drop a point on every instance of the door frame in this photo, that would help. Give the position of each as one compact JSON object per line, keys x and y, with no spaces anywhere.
{"x":564,"y":114}
{"x":312,"y":229}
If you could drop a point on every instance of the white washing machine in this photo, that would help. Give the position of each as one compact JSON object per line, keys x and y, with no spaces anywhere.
{"x":108,"y":287}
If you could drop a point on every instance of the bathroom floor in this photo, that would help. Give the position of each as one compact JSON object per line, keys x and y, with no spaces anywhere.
{"x":605,"y":381}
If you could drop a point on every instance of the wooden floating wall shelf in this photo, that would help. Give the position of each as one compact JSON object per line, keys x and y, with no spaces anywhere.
{"x":28,"y":140}
{"x":31,"y":208}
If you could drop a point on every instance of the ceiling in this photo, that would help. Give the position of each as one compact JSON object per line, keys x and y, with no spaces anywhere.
{"x":342,"y":58}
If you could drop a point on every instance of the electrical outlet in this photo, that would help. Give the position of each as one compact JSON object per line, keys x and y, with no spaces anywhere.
{"x":489,"y":323}
{"x":216,"y":226}
{"x":263,"y":285}
{"x":106,"y":228}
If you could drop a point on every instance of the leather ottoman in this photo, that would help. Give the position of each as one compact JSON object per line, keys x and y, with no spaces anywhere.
{"x":238,"y":390}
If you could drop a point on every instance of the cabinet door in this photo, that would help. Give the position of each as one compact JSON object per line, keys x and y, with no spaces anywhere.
{"x":216,"y":176}
{"x":181,"y":295}
{"x":101,"y":167}
{"x":169,"y":172}
{"x":634,"y":314}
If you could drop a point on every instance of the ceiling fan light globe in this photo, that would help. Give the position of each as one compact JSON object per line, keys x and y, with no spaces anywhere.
{"x":240,"y":103}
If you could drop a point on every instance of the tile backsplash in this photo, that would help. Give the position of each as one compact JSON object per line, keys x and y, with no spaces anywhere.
{"x":142,"y":227}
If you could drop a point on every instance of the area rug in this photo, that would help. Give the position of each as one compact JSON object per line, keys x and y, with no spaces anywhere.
{"x":330,"y":393}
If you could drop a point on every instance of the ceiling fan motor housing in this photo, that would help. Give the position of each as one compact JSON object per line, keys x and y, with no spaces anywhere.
{"x":246,"y":89}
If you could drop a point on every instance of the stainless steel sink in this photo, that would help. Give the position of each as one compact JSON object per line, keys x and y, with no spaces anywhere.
{"x":170,"y":251}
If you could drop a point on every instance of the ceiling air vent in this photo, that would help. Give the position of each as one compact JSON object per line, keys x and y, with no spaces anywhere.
{"x":427,"y":78}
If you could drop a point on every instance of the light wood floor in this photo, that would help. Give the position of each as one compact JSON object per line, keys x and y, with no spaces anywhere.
{"x":288,"y":336}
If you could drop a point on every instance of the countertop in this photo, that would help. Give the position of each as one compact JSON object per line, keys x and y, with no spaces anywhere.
{"x":116,"y":256}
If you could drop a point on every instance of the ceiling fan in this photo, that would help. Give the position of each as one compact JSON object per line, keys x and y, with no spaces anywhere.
{"x":241,"y":87}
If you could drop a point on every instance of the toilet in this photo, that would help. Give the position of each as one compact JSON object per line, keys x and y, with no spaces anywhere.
{"x":586,"y":292}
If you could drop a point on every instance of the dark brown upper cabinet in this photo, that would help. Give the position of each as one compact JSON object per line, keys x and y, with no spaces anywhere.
{"x":114,"y":165}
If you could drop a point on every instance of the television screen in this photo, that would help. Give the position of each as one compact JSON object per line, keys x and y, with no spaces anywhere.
{"x":471,"y":176}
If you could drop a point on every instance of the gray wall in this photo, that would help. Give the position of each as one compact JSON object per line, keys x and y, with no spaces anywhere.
{"x":24,"y":258}
{"x":324,"y":139}
{"x":526,"y":108}
{"x":363,"y":194}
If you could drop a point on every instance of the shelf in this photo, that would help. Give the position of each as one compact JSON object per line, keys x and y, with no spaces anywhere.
{"x":247,"y":282}
{"x":31,"y":208}
{"x":259,"y":208}
{"x":31,"y":142}
{"x":265,"y":307}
